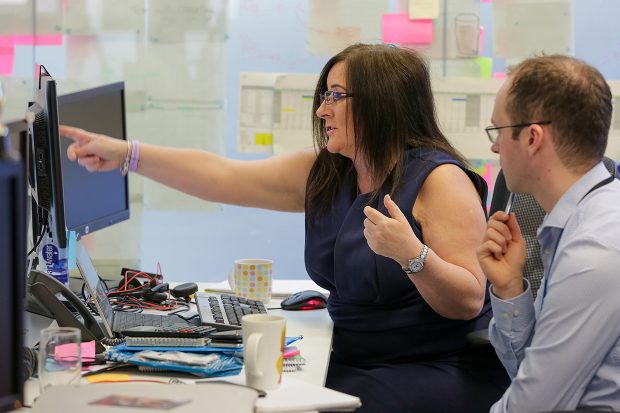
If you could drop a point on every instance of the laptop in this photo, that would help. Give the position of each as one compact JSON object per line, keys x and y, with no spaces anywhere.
{"x":117,"y":321}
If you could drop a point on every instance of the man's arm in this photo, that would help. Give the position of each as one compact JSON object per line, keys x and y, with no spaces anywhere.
{"x":511,"y":328}
{"x":578,"y":325}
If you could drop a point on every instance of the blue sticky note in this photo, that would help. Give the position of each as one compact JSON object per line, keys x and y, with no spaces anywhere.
{"x":71,"y":261}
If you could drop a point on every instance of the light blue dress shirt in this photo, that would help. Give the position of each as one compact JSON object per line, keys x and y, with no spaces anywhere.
{"x":563,"y":350}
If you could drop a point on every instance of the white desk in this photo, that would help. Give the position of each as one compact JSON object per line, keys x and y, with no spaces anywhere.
{"x":316,"y":328}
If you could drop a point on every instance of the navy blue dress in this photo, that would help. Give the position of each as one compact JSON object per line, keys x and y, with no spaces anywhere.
{"x":390,"y":348}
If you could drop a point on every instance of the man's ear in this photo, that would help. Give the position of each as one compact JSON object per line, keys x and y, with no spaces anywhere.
{"x":536,"y":138}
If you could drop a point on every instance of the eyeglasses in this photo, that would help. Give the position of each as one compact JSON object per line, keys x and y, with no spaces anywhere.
{"x":493,"y":131}
{"x":332,"y":96}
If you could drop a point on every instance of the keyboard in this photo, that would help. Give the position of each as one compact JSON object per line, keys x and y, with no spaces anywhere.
{"x":224,"y":311}
{"x":126,"y":320}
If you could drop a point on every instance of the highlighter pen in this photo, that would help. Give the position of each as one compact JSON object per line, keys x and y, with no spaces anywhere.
{"x":510,"y":203}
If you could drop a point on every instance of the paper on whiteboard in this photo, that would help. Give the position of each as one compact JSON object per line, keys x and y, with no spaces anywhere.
{"x":293,"y":99}
{"x":256,"y":109}
{"x":346,"y":23}
{"x":518,"y":25}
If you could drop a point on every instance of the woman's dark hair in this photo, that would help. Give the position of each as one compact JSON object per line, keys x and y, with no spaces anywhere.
{"x":393,"y":111}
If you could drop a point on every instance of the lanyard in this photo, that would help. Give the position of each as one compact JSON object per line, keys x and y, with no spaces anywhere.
{"x":594,"y":188}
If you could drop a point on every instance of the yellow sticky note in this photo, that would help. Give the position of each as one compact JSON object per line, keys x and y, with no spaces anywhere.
{"x":263,"y":138}
{"x":107,"y":377}
{"x":423,"y":9}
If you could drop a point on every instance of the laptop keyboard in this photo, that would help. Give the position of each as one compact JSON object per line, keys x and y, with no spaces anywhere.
{"x":125,"y":320}
{"x":224,"y":311}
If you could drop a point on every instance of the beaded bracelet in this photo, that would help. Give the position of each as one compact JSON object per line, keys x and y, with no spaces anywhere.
{"x":125,"y":166}
{"x":135,"y":156}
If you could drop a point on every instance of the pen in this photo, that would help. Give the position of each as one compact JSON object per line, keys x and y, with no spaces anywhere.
{"x":510,"y":203}
{"x":291,"y":352}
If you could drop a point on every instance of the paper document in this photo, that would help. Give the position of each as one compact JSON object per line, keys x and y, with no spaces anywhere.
{"x":280,"y":288}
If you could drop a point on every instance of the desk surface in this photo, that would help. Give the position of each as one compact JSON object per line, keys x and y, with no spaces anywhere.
{"x":316,"y":328}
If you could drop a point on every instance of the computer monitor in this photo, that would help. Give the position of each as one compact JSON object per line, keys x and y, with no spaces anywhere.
{"x":45,"y":168}
{"x":93,"y":201}
{"x":12,"y":279}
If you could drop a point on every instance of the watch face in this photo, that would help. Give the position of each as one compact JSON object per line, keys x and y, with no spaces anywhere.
{"x":416,"y":266}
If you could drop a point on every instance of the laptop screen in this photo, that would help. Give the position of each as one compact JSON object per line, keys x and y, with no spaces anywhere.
{"x":95,"y":287}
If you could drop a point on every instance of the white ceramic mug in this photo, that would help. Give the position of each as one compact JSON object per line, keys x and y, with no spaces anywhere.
{"x":263,"y":350}
{"x":252,"y":278}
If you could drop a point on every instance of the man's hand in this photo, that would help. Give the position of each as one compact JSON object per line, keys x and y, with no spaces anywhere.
{"x":502,"y":255}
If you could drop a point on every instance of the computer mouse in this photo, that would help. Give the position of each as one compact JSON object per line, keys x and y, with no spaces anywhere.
{"x":304,"y":300}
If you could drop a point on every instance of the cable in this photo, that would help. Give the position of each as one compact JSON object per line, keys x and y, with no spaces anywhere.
{"x":30,"y":363}
{"x":112,"y":341}
{"x":36,"y":245}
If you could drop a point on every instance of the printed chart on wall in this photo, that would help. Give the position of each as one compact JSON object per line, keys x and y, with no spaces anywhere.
{"x":275,"y":114}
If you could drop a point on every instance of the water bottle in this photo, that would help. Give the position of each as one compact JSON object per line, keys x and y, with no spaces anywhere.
{"x":54,"y":260}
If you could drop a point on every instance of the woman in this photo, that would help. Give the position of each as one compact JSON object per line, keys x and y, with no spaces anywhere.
{"x":399,"y":339}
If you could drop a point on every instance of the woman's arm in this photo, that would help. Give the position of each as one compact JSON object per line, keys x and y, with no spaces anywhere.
{"x":453,"y":223}
{"x":278,"y":182}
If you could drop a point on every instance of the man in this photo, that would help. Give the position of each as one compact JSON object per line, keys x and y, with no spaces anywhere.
{"x":551,"y":120}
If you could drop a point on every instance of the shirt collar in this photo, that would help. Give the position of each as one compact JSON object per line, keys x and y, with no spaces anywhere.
{"x":567,"y":204}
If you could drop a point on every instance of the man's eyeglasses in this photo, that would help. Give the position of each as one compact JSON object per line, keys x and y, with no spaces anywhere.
{"x":493,"y":131}
{"x":332,"y":96}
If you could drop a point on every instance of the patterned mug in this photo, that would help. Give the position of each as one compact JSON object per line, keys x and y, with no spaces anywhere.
{"x":252,"y":278}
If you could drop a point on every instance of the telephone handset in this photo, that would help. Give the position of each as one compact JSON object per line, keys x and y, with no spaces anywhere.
{"x":43,"y":288}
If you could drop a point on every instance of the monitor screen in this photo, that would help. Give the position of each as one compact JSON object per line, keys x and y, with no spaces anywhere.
{"x":93,"y":201}
{"x":12,"y":279}
{"x":47,"y":188}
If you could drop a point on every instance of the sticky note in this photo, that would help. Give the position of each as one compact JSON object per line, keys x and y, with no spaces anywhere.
{"x":7,"y":55}
{"x":52,"y":40}
{"x":398,"y":28}
{"x":499,"y":75}
{"x":263,"y":138}
{"x":486,"y":66}
{"x":107,"y":377}
{"x":67,"y":351}
{"x":423,"y":9}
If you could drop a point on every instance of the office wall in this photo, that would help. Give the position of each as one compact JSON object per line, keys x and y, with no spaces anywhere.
{"x":182,"y":62}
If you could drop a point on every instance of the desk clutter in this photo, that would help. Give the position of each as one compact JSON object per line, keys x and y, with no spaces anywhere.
{"x":194,"y":344}
{"x":204,"y":361}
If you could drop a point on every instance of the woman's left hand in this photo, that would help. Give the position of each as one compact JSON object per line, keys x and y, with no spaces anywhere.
{"x":391,"y":236}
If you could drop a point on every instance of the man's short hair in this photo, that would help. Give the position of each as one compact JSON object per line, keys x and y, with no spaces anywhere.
{"x":570,"y":93}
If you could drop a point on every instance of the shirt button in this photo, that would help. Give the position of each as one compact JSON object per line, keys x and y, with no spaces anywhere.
{"x":506,"y":316}
{"x":515,"y":313}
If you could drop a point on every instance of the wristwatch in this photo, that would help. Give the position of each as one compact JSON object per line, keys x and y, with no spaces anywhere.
{"x":416,"y":264}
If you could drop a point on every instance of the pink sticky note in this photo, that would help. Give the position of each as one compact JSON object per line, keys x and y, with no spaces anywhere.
{"x":67,"y":351}
{"x":51,"y":40}
{"x":488,"y":174}
{"x":7,"y":55}
{"x":398,"y":28}
{"x":499,"y":75}
{"x":486,"y":1}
